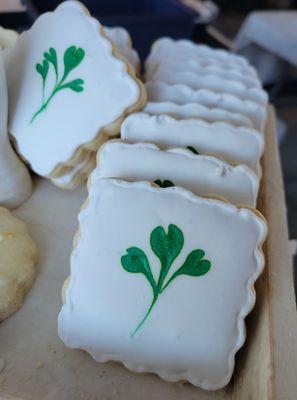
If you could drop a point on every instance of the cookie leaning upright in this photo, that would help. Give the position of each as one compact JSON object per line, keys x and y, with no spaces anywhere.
{"x":18,"y":258}
{"x":69,"y":90}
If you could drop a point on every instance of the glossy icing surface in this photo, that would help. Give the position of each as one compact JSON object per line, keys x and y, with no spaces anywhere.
{"x":122,"y":40}
{"x":179,"y":337}
{"x":213,"y":82}
{"x":183,"y":94}
{"x":194,"y":110}
{"x":234,"y":145}
{"x":97,"y":88}
{"x":166,"y":48}
{"x":196,"y":66}
{"x":202,"y":175}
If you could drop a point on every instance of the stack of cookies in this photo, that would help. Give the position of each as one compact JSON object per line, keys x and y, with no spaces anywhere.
{"x":69,"y":90}
{"x":169,"y":243}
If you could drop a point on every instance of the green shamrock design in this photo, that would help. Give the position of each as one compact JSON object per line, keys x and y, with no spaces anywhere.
{"x":166,"y":183}
{"x":166,"y":246}
{"x":73,"y":56}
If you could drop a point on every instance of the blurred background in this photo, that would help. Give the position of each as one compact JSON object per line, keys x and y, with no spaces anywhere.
{"x":265,"y":31}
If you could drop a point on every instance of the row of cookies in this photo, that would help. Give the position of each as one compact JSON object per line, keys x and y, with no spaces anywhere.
{"x":66,"y":100}
{"x":212,"y":121}
{"x":209,"y":86}
{"x":161,"y":260}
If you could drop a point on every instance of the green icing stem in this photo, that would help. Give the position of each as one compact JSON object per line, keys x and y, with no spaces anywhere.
{"x":167,"y":247}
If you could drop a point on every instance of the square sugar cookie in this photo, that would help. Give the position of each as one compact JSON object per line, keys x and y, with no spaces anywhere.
{"x":161,"y":280}
{"x":236,"y":145}
{"x":166,"y":48}
{"x":69,"y":89}
{"x":183,"y":94}
{"x":196,"y":110}
{"x":201,"y":174}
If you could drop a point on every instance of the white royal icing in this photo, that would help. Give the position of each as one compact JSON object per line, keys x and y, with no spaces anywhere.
{"x":121,"y":38}
{"x":183,"y":94}
{"x":234,"y":145}
{"x":202,"y":175}
{"x":15,"y":180}
{"x":179,"y":339}
{"x":212,"y":69}
{"x":211,"y":82}
{"x":165,"y":49}
{"x":73,"y":117}
{"x":119,"y":35}
{"x":195,"y":110}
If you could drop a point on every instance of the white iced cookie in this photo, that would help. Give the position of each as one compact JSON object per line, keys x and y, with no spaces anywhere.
{"x":195,"y":110}
{"x":212,"y":82}
{"x":8,"y":37}
{"x":165,"y":49}
{"x":234,"y":144}
{"x":203,"y":175}
{"x":15,"y":180}
{"x":119,"y":35}
{"x":68,"y":90}
{"x":121,"y":38}
{"x":183,"y":94}
{"x":195,"y":66}
{"x":155,"y":273}
{"x":18,"y":258}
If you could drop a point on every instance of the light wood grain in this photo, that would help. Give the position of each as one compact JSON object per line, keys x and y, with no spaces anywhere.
{"x":38,"y":366}
{"x":283,"y":317}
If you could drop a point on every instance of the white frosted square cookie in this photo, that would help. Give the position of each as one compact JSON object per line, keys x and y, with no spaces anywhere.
{"x":234,"y":144}
{"x":121,"y":38}
{"x":203,"y":175}
{"x":195,"y":110}
{"x":196,"y":66}
{"x":183,"y":94}
{"x":68,"y":90}
{"x":155,"y":273}
{"x":165,"y":49}
{"x":212,"y":82}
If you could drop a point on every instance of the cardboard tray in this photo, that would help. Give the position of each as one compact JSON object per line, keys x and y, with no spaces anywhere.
{"x":35,"y":365}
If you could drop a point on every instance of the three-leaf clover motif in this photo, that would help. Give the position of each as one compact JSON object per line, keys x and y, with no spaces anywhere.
{"x":167,"y":247}
{"x":73,"y":56}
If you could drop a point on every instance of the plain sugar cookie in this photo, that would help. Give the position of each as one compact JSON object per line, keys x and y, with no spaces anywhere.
{"x":18,"y":259}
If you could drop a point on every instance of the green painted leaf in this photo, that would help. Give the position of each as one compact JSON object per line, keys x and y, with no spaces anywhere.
{"x":75,"y":85}
{"x":166,"y":247}
{"x":166,"y":183}
{"x":73,"y":56}
{"x":194,"y":264}
{"x":51,"y":57}
{"x":42,"y":69}
{"x":135,"y":261}
{"x":192,"y":149}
